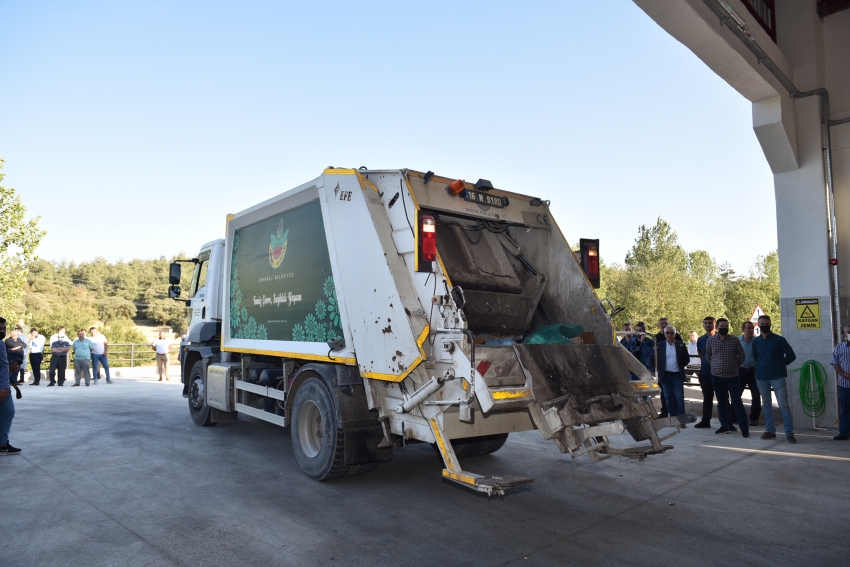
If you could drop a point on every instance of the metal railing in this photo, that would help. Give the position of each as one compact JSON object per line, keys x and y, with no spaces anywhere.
{"x":136,"y":354}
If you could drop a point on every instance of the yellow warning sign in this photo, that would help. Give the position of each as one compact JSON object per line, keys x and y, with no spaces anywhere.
{"x":808,"y":313}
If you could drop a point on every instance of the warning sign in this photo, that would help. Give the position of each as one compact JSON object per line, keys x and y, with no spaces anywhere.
{"x":808,"y":313}
{"x":757,"y":312}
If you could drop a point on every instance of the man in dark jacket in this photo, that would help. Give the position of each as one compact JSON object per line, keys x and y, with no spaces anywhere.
{"x":672,"y":358}
{"x":773,"y":354}
{"x":7,"y":406}
{"x":659,"y":343}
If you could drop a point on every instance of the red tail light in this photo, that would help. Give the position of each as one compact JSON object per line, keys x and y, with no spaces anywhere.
{"x":590,"y":260}
{"x":427,"y":239}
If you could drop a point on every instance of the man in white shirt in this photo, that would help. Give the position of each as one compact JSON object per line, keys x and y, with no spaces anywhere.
{"x":36,"y":348}
{"x":98,"y":354}
{"x":672,"y":359}
{"x":162,"y":346}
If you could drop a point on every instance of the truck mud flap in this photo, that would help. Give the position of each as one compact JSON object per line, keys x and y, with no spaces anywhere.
{"x":579,"y":390}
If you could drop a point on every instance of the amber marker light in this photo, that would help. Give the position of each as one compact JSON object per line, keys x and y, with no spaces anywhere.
{"x":457,"y":187}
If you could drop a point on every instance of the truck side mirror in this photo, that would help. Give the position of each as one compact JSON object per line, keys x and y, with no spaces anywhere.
{"x":174,"y":276}
{"x":174,"y":290}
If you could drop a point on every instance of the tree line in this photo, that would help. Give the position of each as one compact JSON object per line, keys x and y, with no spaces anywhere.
{"x":660,"y":278}
{"x":115,"y":295}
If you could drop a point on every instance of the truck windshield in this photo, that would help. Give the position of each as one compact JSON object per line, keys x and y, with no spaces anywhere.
{"x":199,"y":276}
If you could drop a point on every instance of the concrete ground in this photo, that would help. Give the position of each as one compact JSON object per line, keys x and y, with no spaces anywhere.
{"x":119,"y":475}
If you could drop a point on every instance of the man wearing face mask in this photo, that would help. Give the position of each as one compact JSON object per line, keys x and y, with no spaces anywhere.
{"x":725,"y":355}
{"x":773,"y":354}
{"x":747,"y":372}
{"x":7,"y":406}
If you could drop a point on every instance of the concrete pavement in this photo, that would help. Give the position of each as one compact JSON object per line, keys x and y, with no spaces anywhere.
{"x":119,"y":475}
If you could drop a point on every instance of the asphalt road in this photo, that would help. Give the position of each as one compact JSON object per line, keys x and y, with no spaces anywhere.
{"x":119,"y":475}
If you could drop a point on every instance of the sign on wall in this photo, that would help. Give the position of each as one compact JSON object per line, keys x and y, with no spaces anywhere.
{"x":807,"y":313}
{"x":281,"y":284}
{"x":754,"y":319}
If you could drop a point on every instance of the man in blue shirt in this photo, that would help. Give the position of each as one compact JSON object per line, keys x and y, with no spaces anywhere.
{"x":841,"y":364}
{"x":82,"y":358}
{"x":643,"y":347}
{"x":7,"y":406}
{"x":773,"y":354}
{"x":705,"y":376}
{"x":747,"y":372}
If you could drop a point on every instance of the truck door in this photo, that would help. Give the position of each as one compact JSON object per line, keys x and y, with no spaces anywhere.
{"x":199,"y":303}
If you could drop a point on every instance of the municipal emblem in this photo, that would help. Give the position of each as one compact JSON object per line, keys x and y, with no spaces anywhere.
{"x":277,"y":246}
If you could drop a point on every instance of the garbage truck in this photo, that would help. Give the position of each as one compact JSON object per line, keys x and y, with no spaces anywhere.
{"x":371,"y":309}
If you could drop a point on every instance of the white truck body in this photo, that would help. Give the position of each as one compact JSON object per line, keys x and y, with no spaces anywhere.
{"x":329,"y":283}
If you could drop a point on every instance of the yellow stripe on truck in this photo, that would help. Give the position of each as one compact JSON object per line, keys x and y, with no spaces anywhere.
{"x":504,"y":395}
{"x":459,"y":477}
{"x":441,"y":444}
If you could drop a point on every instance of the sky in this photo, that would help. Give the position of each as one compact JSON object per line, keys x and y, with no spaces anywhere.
{"x":133,"y":128}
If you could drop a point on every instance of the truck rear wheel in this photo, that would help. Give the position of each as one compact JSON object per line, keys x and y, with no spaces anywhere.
{"x":316,"y":438}
{"x":477,"y":446}
{"x":198,"y":408}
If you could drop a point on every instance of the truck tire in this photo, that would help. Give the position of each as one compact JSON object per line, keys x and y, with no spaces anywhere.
{"x":198,"y":408}
{"x":477,"y":446}
{"x":316,"y":438}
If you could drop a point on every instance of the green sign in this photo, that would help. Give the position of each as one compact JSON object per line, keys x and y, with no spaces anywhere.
{"x":281,"y":284}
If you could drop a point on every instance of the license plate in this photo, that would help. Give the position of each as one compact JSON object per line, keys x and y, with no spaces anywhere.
{"x":486,"y":199}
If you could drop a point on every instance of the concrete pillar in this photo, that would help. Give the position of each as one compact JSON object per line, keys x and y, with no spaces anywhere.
{"x":801,"y":200}
{"x":803,"y":257}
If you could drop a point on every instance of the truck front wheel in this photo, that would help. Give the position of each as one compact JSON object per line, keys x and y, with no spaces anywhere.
{"x":198,"y":408}
{"x":316,"y":437}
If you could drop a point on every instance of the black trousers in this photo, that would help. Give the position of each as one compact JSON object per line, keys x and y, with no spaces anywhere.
{"x":707,"y":397}
{"x":36,"y":359}
{"x":59,"y":363}
{"x":747,"y":376}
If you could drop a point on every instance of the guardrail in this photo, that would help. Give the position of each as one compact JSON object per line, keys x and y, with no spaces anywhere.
{"x":120,"y":354}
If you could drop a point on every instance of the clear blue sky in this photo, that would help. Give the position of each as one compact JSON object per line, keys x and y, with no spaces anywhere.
{"x":133,"y":128}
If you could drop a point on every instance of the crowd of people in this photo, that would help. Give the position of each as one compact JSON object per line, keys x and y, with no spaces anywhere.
{"x":24,"y":348}
{"x":728,"y":365}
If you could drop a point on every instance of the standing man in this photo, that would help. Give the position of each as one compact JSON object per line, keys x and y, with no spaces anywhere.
{"x":725,"y":355}
{"x":627,"y":328}
{"x":705,"y":375}
{"x":36,"y":346}
{"x":162,"y":346}
{"x":59,"y":347}
{"x":659,"y":343}
{"x":773,"y":354}
{"x":25,"y":333}
{"x":15,"y":352}
{"x":672,"y":359}
{"x":841,"y":364}
{"x":747,"y":372}
{"x":692,"y":348}
{"x":98,"y":354}
{"x":7,"y":406}
{"x":82,"y":358}
{"x":643,"y":347}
